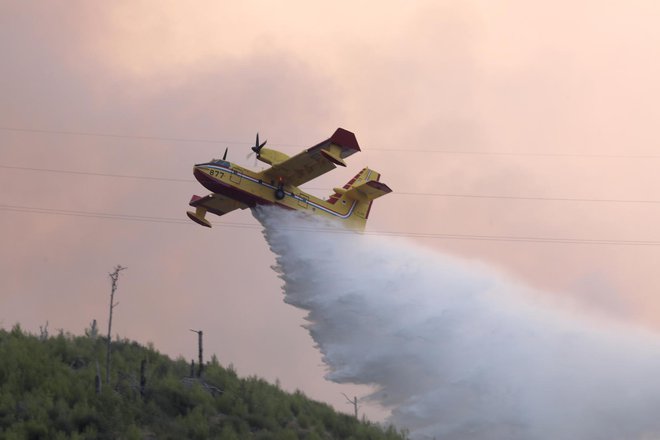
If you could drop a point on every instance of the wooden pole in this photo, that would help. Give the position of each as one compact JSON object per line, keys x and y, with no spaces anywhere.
{"x":200,"y":365}
{"x":200,"y":349}
{"x":114,"y":276}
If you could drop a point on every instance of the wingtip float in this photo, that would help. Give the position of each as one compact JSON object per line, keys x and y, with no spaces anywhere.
{"x":234,"y":187}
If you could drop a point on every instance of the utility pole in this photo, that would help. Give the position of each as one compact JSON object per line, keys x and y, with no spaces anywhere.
{"x":114,"y":276}
{"x":353,"y":402}
{"x":200,"y":365}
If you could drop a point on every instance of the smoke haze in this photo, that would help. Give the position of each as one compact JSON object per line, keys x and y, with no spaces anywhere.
{"x":456,"y":350}
{"x":577,"y":78}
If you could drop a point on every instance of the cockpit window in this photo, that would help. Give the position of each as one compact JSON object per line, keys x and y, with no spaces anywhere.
{"x":221,"y":162}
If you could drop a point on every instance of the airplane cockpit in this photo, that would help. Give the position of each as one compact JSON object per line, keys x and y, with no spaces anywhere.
{"x":222,"y":162}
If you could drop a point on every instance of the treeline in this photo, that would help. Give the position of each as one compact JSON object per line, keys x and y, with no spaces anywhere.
{"x":49,"y":390}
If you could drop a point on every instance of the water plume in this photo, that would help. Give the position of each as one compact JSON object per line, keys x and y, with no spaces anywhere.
{"x":457,"y":350}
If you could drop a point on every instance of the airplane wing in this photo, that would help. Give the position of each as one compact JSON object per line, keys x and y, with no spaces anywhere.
{"x":214,"y":203}
{"x":316,"y":160}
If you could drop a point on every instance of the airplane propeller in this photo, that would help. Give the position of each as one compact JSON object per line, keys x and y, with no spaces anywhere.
{"x":257,"y":148}
{"x":224,"y":156}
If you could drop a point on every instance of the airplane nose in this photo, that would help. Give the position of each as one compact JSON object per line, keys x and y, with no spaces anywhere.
{"x":202,"y":177}
{"x":198,"y":171}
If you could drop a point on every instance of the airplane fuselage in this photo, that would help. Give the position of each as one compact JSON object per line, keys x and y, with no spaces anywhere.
{"x":253,"y":188}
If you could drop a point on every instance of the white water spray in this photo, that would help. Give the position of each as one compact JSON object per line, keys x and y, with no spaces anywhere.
{"x":458,"y":351}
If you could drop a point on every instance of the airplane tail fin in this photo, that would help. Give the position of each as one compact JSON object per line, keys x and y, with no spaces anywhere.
{"x":360,"y":193}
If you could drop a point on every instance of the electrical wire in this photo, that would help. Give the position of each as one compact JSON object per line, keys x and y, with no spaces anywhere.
{"x":121,"y":136}
{"x":129,"y":217}
{"x":89,"y":173}
{"x":396,"y":193}
{"x":371,"y":149}
{"x":471,"y":237}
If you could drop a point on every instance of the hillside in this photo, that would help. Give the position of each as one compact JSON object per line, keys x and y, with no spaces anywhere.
{"x":48,"y":391}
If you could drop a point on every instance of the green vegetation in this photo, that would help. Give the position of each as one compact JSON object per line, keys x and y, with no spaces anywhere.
{"x":47,"y":391}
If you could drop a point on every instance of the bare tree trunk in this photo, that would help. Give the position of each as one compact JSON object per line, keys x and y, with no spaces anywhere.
{"x":114,"y":276}
{"x":353,"y":402}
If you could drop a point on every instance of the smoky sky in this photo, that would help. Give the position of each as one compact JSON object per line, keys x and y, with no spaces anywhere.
{"x":448,"y":100}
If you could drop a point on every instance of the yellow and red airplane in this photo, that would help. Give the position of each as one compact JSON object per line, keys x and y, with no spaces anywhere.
{"x":234,"y":187}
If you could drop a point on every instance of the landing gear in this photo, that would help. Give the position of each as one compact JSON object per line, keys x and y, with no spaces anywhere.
{"x":279,"y":193}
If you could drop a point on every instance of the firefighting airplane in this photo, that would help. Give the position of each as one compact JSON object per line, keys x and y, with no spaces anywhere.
{"x":234,"y":187}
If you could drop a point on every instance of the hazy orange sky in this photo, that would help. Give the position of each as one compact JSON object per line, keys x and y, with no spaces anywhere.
{"x":531,"y":102}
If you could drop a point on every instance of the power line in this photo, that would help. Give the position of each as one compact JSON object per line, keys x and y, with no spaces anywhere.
{"x":109,"y":216}
{"x":472,"y":237}
{"x":122,"y":136}
{"x":399,"y":193}
{"x":519,"y":153}
{"x":289,"y":146}
{"x":553,"y":199}
{"x":89,"y":173}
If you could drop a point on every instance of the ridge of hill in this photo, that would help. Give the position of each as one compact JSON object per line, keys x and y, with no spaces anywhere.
{"x":48,"y":390}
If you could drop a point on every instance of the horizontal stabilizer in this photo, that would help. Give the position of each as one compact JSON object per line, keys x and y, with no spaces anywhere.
{"x":367,"y":191}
